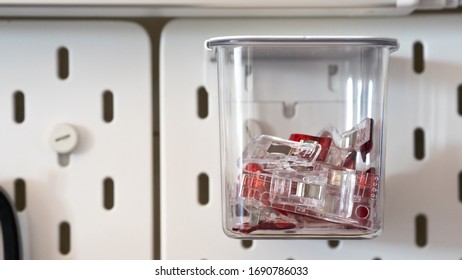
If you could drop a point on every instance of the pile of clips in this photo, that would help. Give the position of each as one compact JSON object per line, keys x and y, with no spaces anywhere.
{"x":307,"y":182}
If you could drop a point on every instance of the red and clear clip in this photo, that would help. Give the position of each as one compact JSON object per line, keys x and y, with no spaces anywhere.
{"x":306,"y":182}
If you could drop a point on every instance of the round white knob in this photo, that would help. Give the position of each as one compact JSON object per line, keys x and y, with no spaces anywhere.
{"x":64,"y":138}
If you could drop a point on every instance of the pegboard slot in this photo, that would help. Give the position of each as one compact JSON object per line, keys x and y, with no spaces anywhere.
{"x":108,"y":193}
{"x":460,"y":186}
{"x":419,"y":143}
{"x":64,"y":238}
{"x":19,"y":107}
{"x":289,"y":109}
{"x":202,"y":102}
{"x":246,"y":244}
{"x":333,"y":243}
{"x":203,"y":186}
{"x":333,"y":81}
{"x":20,"y":194}
{"x":108,"y":106}
{"x":421,"y":230}
{"x":64,"y":159}
{"x":459,"y":100}
{"x":63,"y":63}
{"x":419,"y":60}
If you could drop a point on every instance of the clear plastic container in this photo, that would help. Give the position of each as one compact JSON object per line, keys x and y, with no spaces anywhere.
{"x":302,"y":135}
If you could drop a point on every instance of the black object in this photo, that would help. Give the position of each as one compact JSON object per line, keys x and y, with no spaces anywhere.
{"x":10,"y":229}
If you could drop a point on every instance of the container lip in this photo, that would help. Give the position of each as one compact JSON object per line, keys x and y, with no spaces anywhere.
{"x":391,"y":43}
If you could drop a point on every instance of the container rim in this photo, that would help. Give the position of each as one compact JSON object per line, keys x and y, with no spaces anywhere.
{"x":303,"y":40}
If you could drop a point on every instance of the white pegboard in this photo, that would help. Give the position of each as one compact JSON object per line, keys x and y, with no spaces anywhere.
{"x":190,"y":145}
{"x":103,"y":56}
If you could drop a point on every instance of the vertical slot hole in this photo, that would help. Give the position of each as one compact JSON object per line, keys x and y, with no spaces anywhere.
{"x":289,"y":109}
{"x":333,"y":243}
{"x":460,"y":186}
{"x":419,"y":143}
{"x":108,"y":196}
{"x":333,"y":80}
{"x":20,"y":194}
{"x":248,"y":77}
{"x":419,"y":62}
{"x":203,"y":183}
{"x":108,"y":106}
{"x":459,"y":100}
{"x":421,"y":230}
{"x":19,"y":107}
{"x":63,"y":63}
{"x":64,"y":238}
{"x":246,"y":244}
{"x":251,"y":128}
{"x":202,"y":103}
{"x":64,"y":159}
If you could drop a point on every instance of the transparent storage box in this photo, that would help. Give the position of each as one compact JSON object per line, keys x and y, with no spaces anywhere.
{"x":302,"y":135}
